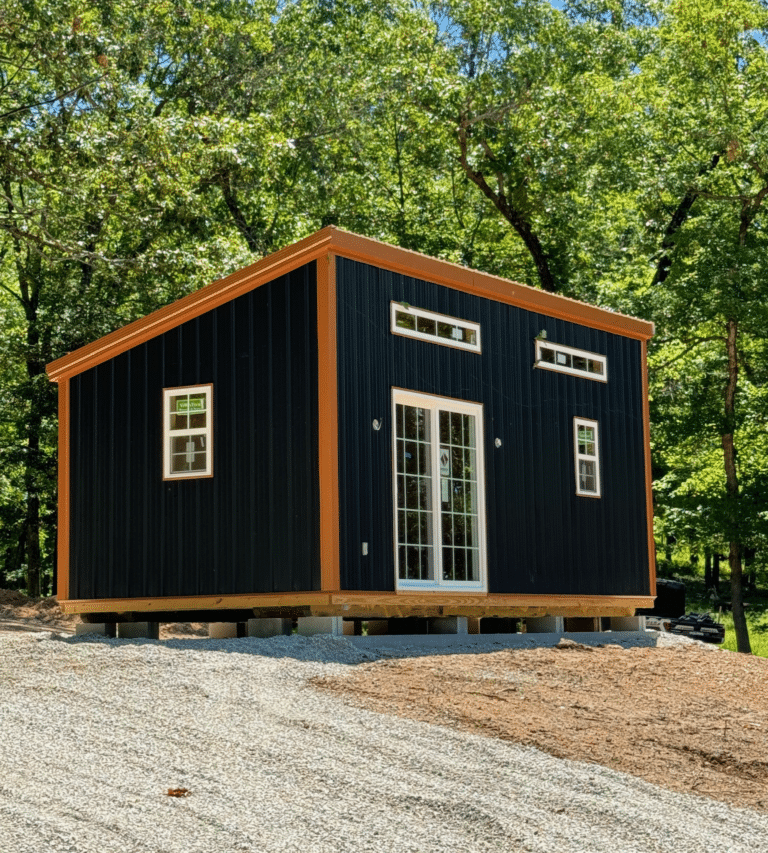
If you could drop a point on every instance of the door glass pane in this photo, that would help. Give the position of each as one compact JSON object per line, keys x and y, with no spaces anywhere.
{"x":448,"y":564}
{"x":414,"y":492}
{"x":447,"y":520}
{"x":413,"y":562}
{"x":411,"y":457}
{"x":460,"y":565}
{"x":445,"y":427}
{"x":436,"y":460}
{"x":456,"y":429}
{"x":458,"y":485}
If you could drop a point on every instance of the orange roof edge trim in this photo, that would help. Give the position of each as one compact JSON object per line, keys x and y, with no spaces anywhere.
{"x":355,"y":247}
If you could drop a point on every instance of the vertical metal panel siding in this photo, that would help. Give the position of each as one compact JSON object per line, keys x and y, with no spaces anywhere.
{"x":542,"y":537}
{"x":253,"y":526}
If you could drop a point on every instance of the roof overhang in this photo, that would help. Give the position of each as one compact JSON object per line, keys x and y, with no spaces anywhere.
{"x":334,"y":241}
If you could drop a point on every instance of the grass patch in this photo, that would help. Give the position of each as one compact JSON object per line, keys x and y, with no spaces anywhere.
{"x":757,"y":623}
{"x":697,"y":600}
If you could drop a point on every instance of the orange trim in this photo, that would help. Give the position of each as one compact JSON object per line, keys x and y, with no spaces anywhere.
{"x":493,"y":287}
{"x":193,"y":305}
{"x":62,"y":546}
{"x":328,"y":426}
{"x":648,"y":470}
{"x":194,"y":602}
{"x":355,"y":247}
{"x":345,"y":603}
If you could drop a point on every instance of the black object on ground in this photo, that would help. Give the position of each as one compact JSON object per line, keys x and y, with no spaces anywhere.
{"x":670,"y":599}
{"x":699,"y":626}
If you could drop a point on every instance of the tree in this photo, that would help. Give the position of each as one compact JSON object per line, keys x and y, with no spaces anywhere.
{"x":533,"y":103}
{"x":99,"y":220}
{"x":705,"y":183}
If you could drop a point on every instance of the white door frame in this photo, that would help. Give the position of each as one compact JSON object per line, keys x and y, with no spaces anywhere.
{"x":435,"y":404}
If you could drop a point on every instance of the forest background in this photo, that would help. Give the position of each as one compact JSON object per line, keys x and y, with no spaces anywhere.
{"x":614,"y":151}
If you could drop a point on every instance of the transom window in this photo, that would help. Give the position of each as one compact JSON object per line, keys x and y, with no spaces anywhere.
{"x":188,"y":432}
{"x":569,"y":360}
{"x":438,"y":492}
{"x":587,"y":457}
{"x":437,"y":328}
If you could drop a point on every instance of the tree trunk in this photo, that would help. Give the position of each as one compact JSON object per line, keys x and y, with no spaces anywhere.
{"x":32,"y":522}
{"x":32,"y":537}
{"x":664,"y":264}
{"x":668,"y":543}
{"x":516,"y":218}
{"x":749,"y":569}
{"x":732,"y":494}
{"x":716,"y":557}
{"x":28,"y":272}
{"x":707,"y":569}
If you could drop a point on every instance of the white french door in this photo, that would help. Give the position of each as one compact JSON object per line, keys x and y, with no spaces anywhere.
{"x":438,"y":490}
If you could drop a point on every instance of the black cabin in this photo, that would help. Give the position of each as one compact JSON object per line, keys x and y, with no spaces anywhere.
{"x":348,"y":428}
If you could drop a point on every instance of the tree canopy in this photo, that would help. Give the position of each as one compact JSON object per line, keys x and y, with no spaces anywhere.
{"x":611,"y":150}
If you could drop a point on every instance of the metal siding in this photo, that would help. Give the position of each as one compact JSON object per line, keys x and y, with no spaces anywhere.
{"x":542,"y":537}
{"x":253,"y":526}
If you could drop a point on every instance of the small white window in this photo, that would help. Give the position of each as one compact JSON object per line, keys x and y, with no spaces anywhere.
{"x":188,"y":432}
{"x":587,"y":457}
{"x":436,"y":328}
{"x":577,"y":362}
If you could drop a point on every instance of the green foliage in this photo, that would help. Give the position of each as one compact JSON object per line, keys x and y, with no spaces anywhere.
{"x":614,"y":150}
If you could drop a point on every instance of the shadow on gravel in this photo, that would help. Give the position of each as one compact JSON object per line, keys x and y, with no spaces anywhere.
{"x":354,"y":650}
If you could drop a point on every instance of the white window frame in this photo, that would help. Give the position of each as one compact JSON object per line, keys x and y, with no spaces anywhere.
{"x":587,"y":422}
{"x":543,"y":343}
{"x":169,"y":434}
{"x":436,"y":404}
{"x":399,"y":307}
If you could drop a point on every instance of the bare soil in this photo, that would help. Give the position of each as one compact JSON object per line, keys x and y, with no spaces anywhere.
{"x":689,"y":718}
{"x":19,"y":613}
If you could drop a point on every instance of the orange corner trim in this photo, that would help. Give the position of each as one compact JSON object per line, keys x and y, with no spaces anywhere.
{"x":62,"y":544}
{"x":327,"y":433}
{"x":648,"y":470}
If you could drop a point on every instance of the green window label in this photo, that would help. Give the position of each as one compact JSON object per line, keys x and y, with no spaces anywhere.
{"x":190,"y":405}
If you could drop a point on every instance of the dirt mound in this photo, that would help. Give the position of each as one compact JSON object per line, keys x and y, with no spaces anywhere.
{"x":690,"y":719}
{"x":19,"y":612}
{"x":13,"y":598}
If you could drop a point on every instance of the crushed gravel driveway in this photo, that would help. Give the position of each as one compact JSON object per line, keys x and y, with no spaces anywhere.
{"x":97,"y":732}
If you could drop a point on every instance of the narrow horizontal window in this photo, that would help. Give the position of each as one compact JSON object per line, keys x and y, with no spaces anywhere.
{"x":569,"y":360}
{"x":436,"y":328}
{"x":587,"y":457}
{"x":188,"y":432}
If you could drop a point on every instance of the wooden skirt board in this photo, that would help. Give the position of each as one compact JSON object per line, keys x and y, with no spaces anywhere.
{"x":355,"y":605}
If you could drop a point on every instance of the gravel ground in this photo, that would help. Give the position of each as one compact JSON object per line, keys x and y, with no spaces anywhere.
{"x":96,"y":732}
